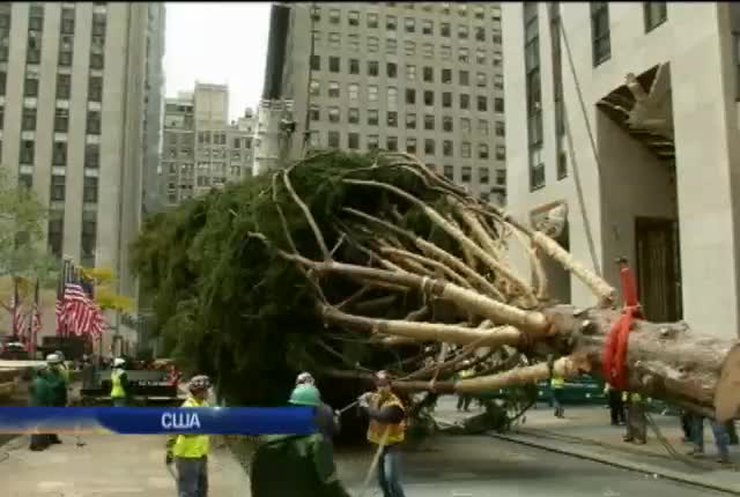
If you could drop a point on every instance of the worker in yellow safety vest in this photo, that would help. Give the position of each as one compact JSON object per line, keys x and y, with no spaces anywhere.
{"x":463,"y":399}
{"x":636,"y":422}
{"x":119,"y":389}
{"x":557,"y":383}
{"x":387,"y":430}
{"x":190,"y":452}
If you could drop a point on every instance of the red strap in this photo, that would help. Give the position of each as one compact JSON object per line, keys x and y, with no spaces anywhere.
{"x":615,"y":347}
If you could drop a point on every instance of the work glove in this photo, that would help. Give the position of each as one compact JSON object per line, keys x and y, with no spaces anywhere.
{"x":169,"y":459}
{"x":364,"y":400}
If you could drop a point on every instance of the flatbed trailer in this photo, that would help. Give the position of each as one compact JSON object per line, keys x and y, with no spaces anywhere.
{"x":147,"y":388}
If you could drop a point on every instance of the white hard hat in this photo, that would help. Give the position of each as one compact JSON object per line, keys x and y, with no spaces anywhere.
{"x":118,"y":362}
{"x":53,"y":359}
{"x":305,"y":378}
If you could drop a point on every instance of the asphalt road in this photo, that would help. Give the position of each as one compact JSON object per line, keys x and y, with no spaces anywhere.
{"x":480,"y":466}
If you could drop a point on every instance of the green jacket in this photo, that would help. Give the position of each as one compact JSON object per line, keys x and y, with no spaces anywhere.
{"x":295,"y":466}
{"x":40,"y":390}
{"x":58,"y":387}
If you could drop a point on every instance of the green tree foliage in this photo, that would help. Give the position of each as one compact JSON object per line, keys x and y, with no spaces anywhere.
{"x":22,"y":218}
{"x":226,"y":304}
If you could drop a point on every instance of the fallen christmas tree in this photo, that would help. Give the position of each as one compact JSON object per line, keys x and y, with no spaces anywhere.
{"x":344,"y":264}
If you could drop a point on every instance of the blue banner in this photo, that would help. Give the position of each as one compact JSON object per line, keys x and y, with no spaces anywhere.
{"x":159,"y":421}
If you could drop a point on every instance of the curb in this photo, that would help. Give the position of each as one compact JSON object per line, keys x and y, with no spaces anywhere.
{"x":620,"y":463}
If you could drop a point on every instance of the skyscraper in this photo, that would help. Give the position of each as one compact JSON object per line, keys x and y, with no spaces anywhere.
{"x":426,"y":78}
{"x":80,"y":87}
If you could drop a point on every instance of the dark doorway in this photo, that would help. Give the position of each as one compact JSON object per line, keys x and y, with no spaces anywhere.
{"x":658,"y":268}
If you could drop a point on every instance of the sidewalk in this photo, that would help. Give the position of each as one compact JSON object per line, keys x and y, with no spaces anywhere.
{"x":586,"y":432}
{"x":125,"y":466}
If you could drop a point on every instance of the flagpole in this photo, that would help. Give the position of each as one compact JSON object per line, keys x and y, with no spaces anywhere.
{"x":15,"y":307}
{"x":36,"y":312}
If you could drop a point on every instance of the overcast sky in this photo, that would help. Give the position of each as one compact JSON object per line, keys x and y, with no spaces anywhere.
{"x":222,"y":43}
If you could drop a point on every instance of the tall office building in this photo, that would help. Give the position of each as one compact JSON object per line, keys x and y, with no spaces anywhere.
{"x":202,"y":148}
{"x":659,"y":84}
{"x":426,"y":78}
{"x":79,"y":86}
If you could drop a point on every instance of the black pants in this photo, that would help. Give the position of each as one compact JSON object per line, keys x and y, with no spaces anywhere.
{"x":463,"y":402}
{"x":616,"y":407}
{"x":686,"y":424}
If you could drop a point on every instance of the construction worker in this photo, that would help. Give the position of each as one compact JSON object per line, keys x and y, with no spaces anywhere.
{"x":296,"y":465}
{"x":57,"y":387}
{"x":636,"y":421}
{"x":557,"y":383}
{"x":721,"y":438}
{"x":616,"y":405}
{"x":327,"y":419}
{"x":386,"y":429}
{"x":119,"y":386}
{"x":63,"y":369}
{"x":40,"y":396}
{"x":190,"y":452}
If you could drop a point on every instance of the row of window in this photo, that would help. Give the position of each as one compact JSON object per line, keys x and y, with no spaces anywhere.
{"x":88,"y":236}
{"x":27,"y":154}
{"x":391,"y":144}
{"x":391,"y":71}
{"x":428,"y":96}
{"x":61,"y":120}
{"x":409,"y":48}
{"x":466,"y":173}
{"x":391,"y":120}
{"x":425,"y":26}
{"x":236,"y":155}
{"x":444,"y":8}
{"x":58,"y":189}
{"x":219,"y":138}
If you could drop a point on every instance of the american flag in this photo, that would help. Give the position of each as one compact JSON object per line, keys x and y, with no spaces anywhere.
{"x":80,"y":314}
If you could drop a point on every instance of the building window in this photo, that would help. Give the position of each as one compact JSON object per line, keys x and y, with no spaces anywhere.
{"x":391,"y":143}
{"x":600,"y":38}
{"x":447,"y":99}
{"x":353,"y":89}
{"x":391,"y":69}
{"x":391,"y":23}
{"x":353,"y":141}
{"x":428,"y":97}
{"x":447,"y":123}
{"x":500,"y":152}
{"x":315,"y":62}
{"x":411,"y":145}
{"x":28,"y":120}
{"x":483,"y":151}
{"x":333,"y":64}
{"x":314,"y":112}
{"x":465,"y":124}
{"x":392,"y":119}
{"x":447,"y":148}
{"x":463,"y":55}
{"x":353,"y":18}
{"x":95,"y":89}
{"x":480,"y":33}
{"x":480,"y":56}
{"x":392,"y":97}
{"x":27,"y":151}
{"x":447,"y":76}
{"x":462,"y":32}
{"x":354,"y":66}
{"x":449,"y":172}
{"x":353,"y":116}
{"x":56,"y":232}
{"x":372,"y":117}
{"x":31,"y":85}
{"x":333,"y":89}
{"x":409,"y":48}
{"x":373,"y":142}
{"x":498,"y":59}
{"x":483,"y":175}
{"x":314,"y":88}
{"x":372,"y":68}
{"x":427,"y":27}
{"x":3,"y":81}
{"x":481,"y":81}
{"x":391,"y":46}
{"x":333,"y":139}
{"x":428,"y":74}
{"x":562,"y":165}
{"x":372,"y":20}
{"x":61,"y":120}
{"x":500,"y":128}
{"x":464,"y":77}
{"x":445,"y":52}
{"x":334,"y":40}
{"x":482,"y":103}
{"x":333,"y":114}
{"x":59,"y":154}
{"x":483,"y":127}
{"x":92,"y":155}
{"x":656,"y":13}
{"x":498,"y":105}
{"x":65,"y":50}
{"x":409,"y":25}
{"x":429,"y":148}
{"x":464,"y":101}
{"x":98,"y":24}
{"x":372,"y":44}
{"x":25,"y":181}
{"x":57,"y":188}
{"x":89,"y":234}
{"x":411,"y":72}
{"x":97,"y":61}
{"x":429,"y":122}
{"x":501,"y":177}
{"x":93,"y":122}
{"x":427,"y":50}
{"x":465,"y":174}
{"x":465,"y":150}
{"x":444,"y":29}
{"x":410,"y":120}
{"x":334,"y":16}
{"x":534,"y":98}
